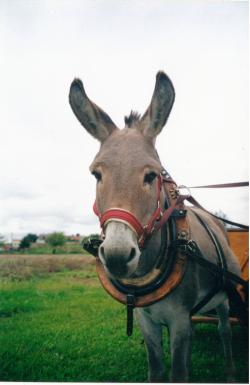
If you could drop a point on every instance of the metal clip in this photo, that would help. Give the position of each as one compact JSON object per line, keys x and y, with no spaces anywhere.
{"x":174,"y":193}
{"x":188,"y":247}
{"x":192,"y":246}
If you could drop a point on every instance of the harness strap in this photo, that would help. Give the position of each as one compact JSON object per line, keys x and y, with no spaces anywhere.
{"x":205,"y":300}
{"x":222,"y":260}
{"x":223,"y":185}
{"x":130,"y":310}
{"x":122,"y":216}
{"x":191,"y":249}
{"x":193,"y":201}
{"x":167,"y":213}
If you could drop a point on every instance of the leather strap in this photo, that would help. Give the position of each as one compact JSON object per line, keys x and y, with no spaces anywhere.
{"x":166,"y":215}
{"x":223,"y":185}
{"x":122,"y":216}
{"x":194,"y":202}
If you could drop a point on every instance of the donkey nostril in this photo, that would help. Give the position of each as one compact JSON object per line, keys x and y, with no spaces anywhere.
{"x":132,"y":254}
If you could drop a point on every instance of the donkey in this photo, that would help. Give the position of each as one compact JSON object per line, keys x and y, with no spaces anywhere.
{"x":126,"y":169}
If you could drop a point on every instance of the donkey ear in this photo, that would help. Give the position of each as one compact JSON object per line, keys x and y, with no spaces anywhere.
{"x":92,"y":117}
{"x":161,"y":104}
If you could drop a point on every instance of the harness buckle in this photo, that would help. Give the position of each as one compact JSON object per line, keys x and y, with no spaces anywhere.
{"x":192,"y":246}
{"x":186,"y":247}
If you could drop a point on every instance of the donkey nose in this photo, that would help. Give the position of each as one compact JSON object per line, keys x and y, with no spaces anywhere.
{"x":119,"y":251}
{"x":117,"y":260}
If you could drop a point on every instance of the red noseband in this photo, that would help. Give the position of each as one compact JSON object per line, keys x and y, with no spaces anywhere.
{"x":117,"y":214}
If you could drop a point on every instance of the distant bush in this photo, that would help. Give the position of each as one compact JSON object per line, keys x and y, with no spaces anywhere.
{"x":27,"y":240}
{"x":56,"y":239}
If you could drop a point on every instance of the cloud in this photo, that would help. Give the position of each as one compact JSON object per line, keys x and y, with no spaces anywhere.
{"x":117,"y":47}
{"x":41,"y":215}
{"x":15,"y":191}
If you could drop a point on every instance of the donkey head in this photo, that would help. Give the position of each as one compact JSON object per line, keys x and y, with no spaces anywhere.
{"x":126,"y":169}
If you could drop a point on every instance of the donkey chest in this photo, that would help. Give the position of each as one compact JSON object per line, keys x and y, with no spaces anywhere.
{"x":165,"y":311}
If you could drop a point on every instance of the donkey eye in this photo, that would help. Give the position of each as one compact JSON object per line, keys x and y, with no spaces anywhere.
{"x":148,"y":178}
{"x":97,"y":175}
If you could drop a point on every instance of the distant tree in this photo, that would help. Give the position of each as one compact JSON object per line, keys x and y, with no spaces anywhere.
{"x":56,"y":239}
{"x":27,"y":240}
{"x":2,"y":240}
{"x":222,"y":215}
{"x":32,"y":237}
{"x":25,"y":243}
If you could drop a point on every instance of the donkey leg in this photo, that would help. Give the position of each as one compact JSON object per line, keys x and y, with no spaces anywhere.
{"x":224,"y":328}
{"x":180,"y":330}
{"x":152,"y":333}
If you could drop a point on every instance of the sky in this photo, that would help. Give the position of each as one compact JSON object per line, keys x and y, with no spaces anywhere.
{"x":116,"y":47}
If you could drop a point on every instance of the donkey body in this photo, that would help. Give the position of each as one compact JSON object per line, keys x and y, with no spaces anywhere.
{"x":126,"y":169}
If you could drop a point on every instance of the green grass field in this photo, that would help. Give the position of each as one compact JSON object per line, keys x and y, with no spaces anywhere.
{"x":58,"y":324}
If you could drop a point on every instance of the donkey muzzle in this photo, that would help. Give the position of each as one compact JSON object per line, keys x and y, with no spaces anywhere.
{"x":119,"y":251}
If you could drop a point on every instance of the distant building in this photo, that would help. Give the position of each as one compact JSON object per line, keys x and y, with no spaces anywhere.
{"x":15,"y":243}
{"x":41,"y":239}
{"x":74,"y":238}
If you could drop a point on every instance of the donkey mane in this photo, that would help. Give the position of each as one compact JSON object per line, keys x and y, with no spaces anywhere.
{"x":132,"y":119}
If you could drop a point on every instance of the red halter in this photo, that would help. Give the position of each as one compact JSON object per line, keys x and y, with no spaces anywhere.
{"x":127,"y":217}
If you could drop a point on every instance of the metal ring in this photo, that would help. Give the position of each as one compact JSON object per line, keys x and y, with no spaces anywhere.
{"x":182,"y":187}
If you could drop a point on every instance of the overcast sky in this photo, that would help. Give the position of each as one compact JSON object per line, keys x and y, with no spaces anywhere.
{"x":116,"y":47}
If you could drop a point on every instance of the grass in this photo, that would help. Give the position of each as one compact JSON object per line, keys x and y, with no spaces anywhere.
{"x":58,"y":324}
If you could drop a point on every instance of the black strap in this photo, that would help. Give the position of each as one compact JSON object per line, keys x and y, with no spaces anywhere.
{"x":206,"y":299}
{"x":221,"y":257}
{"x":192,"y":250}
{"x":239,"y":307}
{"x":194,"y":202}
{"x":130,"y":311}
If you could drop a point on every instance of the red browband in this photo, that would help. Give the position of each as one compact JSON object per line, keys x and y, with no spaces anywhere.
{"x":126,"y":216}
